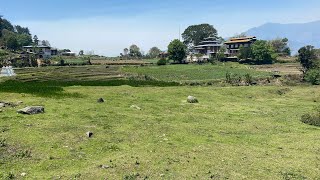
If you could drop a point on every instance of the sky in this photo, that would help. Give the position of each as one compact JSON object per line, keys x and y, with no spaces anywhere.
{"x":108,"y":26}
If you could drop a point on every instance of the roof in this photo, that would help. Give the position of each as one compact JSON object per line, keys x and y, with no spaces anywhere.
{"x":208,"y":45}
{"x":238,"y":41}
{"x":40,"y":46}
{"x":208,"y":42}
{"x":209,"y":38}
{"x":241,"y":40}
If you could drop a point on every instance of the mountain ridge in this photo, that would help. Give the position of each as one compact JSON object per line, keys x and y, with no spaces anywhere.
{"x":299,"y":34}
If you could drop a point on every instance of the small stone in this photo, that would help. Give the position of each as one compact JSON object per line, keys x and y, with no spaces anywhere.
{"x":89,"y":134}
{"x":31,"y":110}
{"x":100,"y":100}
{"x":192,"y":99}
{"x":19,"y":102}
{"x":2,"y":105}
{"x":104,"y":166}
{"x":23,"y":174}
{"x":135,"y":107}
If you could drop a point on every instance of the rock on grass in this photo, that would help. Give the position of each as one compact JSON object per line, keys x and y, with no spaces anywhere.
{"x":31,"y":110}
{"x":100,"y":100}
{"x":192,"y":99}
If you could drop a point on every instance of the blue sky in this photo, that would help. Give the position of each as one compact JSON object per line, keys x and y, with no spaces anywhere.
{"x":108,"y":26}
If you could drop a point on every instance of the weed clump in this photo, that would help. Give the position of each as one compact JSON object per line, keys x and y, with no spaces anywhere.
{"x":312,"y":119}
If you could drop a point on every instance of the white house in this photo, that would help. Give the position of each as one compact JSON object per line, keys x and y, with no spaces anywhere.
{"x":43,"y":52}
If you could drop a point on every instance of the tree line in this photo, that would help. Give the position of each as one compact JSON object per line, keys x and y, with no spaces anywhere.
{"x":14,"y":37}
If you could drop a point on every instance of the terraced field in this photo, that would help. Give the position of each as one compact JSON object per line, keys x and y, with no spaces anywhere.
{"x":73,"y":73}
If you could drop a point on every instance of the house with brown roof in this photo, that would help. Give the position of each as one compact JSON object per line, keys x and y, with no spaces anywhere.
{"x":234,"y":44}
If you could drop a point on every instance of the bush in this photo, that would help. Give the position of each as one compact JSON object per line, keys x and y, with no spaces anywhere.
{"x":313,"y":76}
{"x":312,"y":119}
{"x":248,"y":79}
{"x":162,"y":62}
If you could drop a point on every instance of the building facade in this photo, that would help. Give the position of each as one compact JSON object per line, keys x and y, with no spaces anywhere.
{"x":43,"y":52}
{"x":234,"y":44}
{"x":204,"y":50}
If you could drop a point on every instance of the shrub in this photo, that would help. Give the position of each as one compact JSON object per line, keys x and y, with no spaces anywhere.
{"x":162,"y":62}
{"x":248,"y":79}
{"x":312,"y":119}
{"x":228,"y":78}
{"x":313,"y":76}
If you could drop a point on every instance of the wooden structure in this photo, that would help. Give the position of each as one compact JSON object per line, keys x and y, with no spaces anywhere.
{"x":205,"y":50}
{"x":234,"y":44}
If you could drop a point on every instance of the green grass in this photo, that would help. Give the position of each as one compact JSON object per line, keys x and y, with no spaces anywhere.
{"x":76,"y":61}
{"x":193,"y":72}
{"x":233,"y":133}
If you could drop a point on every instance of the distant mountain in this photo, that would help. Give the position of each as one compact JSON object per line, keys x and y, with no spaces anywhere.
{"x":299,"y":34}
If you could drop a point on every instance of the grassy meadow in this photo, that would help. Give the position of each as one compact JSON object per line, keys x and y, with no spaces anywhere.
{"x":250,"y":132}
{"x":233,"y":133}
{"x":194,"y":72}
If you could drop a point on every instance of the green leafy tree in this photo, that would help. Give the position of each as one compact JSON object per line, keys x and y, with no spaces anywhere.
{"x":281,"y":46}
{"x":220,"y":56}
{"x":12,"y":43}
{"x":263,"y":52}
{"x":5,"y":24}
{"x":81,"y":53}
{"x":154,"y":52}
{"x":134,"y":51}
{"x":308,"y":58}
{"x":22,"y":30}
{"x":194,"y":34}
{"x":45,"y":43}
{"x":24,"y":39}
{"x":35,"y":40}
{"x":313,"y":76}
{"x":177,"y":51}
{"x":9,"y":39}
{"x":245,"y":53}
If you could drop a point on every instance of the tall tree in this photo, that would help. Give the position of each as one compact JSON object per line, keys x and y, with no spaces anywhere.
{"x":135,"y":51}
{"x":24,"y":39}
{"x":5,"y":24}
{"x":35,"y":40}
{"x":177,"y":50}
{"x":45,"y":43}
{"x":194,"y":34}
{"x":125,"y":51}
{"x":263,"y":52}
{"x":22,"y":30}
{"x":154,"y":52}
{"x":281,"y":46}
{"x":308,"y":58}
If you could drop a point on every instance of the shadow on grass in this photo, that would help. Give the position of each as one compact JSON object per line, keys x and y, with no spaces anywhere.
{"x":55,"y":89}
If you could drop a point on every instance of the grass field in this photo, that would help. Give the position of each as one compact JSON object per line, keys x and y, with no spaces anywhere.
{"x":249,"y":132}
{"x":194,"y":72}
{"x":233,"y":133}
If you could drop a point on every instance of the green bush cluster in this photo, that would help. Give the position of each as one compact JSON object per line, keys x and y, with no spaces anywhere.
{"x":312,"y":119}
{"x":313,"y":76}
{"x":162,"y":62}
{"x":236,"y":79}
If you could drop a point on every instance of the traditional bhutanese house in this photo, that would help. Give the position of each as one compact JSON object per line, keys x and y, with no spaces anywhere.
{"x":234,"y":44}
{"x":42,"y":51}
{"x":207,"y":48}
